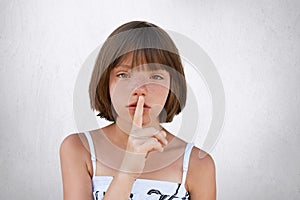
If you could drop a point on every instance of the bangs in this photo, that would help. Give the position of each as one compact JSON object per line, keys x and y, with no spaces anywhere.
{"x":149,"y":47}
{"x":147,"y":59}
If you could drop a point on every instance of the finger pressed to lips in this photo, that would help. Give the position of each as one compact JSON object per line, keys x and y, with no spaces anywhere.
{"x":134,"y":105}
{"x":138,"y":114}
{"x":153,"y":137}
{"x":134,"y":108}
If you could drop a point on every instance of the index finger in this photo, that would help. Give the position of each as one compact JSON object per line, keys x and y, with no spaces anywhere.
{"x":138,"y":114}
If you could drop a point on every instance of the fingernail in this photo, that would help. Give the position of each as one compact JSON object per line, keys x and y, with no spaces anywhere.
{"x":140,"y":98}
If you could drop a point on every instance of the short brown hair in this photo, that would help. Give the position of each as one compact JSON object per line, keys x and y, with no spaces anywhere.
{"x":149,"y":44}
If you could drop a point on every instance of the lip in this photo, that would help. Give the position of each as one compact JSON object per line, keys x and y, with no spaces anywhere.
{"x":132,"y":106}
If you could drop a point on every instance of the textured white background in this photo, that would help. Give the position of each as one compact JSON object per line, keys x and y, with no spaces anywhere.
{"x":254,"y":45}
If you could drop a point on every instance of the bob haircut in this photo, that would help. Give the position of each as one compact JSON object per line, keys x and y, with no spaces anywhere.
{"x":149,"y":44}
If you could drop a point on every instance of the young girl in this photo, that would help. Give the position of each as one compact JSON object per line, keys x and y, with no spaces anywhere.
{"x":137,"y":83}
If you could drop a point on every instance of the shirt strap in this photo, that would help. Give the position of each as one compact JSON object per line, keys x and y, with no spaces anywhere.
{"x":92,"y":150}
{"x":186,"y":160}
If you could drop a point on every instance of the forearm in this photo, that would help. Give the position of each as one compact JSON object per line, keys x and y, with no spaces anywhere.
{"x":120,"y":187}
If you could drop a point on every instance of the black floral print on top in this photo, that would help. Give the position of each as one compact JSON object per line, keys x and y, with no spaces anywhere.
{"x":168,"y":197}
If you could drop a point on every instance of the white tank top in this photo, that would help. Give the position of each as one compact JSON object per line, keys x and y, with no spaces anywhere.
{"x":143,"y":188}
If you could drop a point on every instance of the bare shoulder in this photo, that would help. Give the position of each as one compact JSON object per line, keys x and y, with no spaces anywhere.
{"x":201,"y":176}
{"x":201,"y":161}
{"x":75,"y":145}
{"x":73,"y":142}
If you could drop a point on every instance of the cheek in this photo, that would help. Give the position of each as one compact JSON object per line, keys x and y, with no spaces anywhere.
{"x":119,"y":94}
{"x":158,"y":96}
{"x":159,"y":92}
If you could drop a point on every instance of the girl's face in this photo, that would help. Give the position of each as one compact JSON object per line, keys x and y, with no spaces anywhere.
{"x":126,"y":84}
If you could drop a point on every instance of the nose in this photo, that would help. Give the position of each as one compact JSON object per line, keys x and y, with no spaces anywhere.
{"x":139,"y":85}
{"x":140,"y":90}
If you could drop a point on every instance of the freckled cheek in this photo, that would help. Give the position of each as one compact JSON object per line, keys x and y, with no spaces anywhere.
{"x":119,"y":94}
{"x":159,"y":91}
{"x":158,"y":95}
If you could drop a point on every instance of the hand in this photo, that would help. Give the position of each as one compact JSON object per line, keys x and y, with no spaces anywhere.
{"x":141,"y":142}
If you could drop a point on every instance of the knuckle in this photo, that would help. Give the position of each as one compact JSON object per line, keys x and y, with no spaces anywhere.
{"x":154,"y":141}
{"x":162,"y":133}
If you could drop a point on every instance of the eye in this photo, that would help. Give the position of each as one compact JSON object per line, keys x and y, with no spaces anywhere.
{"x":157,"y":77}
{"x":123,"y":75}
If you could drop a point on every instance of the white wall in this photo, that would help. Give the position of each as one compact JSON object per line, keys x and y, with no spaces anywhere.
{"x":254,"y":45}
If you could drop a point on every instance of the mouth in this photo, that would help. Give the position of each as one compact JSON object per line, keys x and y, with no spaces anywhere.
{"x":133,"y":106}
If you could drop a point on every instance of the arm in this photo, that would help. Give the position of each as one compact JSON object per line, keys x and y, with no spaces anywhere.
{"x":120,"y":187}
{"x":201,"y":177}
{"x":76,"y":177}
